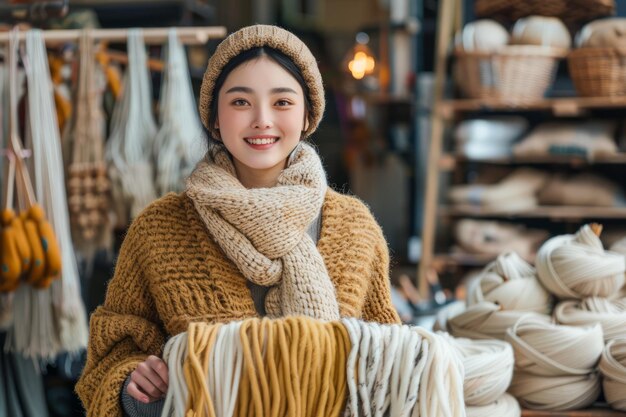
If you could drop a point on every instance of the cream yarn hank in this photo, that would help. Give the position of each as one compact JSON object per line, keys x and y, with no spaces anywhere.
{"x":577,"y":266}
{"x":511,"y":283}
{"x":557,"y":393}
{"x":613,"y":369}
{"x":546,"y":349}
{"x":485,"y":320}
{"x":488,"y":367}
{"x":610,"y":314}
{"x":264,"y":231}
{"x":505,"y":406}
{"x":555,"y":365}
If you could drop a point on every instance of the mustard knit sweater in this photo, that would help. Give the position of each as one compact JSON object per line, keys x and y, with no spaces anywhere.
{"x":170,"y":272}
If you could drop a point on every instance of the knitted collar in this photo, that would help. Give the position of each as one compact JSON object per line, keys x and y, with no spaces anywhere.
{"x":264,"y":230}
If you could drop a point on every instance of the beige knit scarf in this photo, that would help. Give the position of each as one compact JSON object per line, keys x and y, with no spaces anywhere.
{"x":264,"y":230}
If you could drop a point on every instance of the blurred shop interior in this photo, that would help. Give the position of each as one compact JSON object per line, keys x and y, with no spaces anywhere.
{"x":471,"y":128}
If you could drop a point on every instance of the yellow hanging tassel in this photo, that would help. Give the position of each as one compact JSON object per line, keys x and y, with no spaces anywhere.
{"x":23,"y":248}
{"x":38,"y":262}
{"x":10,"y":265}
{"x":51,"y":249}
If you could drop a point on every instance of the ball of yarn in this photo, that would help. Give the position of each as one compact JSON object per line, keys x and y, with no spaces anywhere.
{"x":555,"y":393}
{"x":541,"y":30}
{"x":604,"y":33}
{"x":488,"y":366}
{"x":483,"y":35}
{"x":511,"y":283}
{"x":505,"y":406}
{"x":610,"y":314}
{"x":613,"y":368}
{"x":552,"y":350}
{"x":577,"y":266}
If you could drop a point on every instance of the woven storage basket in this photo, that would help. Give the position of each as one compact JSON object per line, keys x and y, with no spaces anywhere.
{"x":598,"y":72}
{"x":567,"y":10}
{"x":515,"y":73}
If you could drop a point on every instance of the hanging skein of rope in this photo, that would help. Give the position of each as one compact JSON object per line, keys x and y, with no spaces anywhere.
{"x":299,"y":366}
{"x":511,"y":283}
{"x":177,"y":145}
{"x":488,"y":366}
{"x":613,"y":369}
{"x":88,"y":183}
{"x":577,"y":266}
{"x":555,"y":365}
{"x":610,"y":314}
{"x":505,"y":406}
{"x":129,"y":148}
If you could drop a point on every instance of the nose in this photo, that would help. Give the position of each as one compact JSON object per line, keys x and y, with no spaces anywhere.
{"x":262,"y":119}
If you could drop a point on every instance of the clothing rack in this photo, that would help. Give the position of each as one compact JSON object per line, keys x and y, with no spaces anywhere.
{"x":188,"y":35}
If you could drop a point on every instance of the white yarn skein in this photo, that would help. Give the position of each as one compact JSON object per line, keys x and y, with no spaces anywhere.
{"x":610,"y":314}
{"x":363,"y":369}
{"x":485,"y":320}
{"x":577,"y":266}
{"x":225,"y":369}
{"x":547,"y":349}
{"x":174,"y":354}
{"x":354,"y":331}
{"x":391,"y":344}
{"x":613,"y":368}
{"x":511,"y":283}
{"x":505,"y":406}
{"x":556,"y":393}
{"x":488,"y":366}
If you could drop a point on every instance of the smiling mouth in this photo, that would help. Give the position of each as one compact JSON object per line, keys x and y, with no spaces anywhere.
{"x":261,"y":141}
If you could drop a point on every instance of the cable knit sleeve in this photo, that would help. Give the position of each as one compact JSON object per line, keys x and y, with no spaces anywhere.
{"x":378,"y":306}
{"x":124,"y":330}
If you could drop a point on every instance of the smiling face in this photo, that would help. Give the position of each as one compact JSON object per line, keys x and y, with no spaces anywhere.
{"x":261,"y":116}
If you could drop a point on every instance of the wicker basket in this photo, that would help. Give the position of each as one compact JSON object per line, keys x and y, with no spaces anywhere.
{"x":568,"y":10}
{"x":516,"y":73}
{"x":598,"y":72}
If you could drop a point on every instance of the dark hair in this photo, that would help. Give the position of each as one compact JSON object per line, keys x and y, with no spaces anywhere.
{"x":249,"y":55}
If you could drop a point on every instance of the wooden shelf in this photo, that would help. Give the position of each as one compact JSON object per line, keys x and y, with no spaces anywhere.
{"x":563,"y":106}
{"x":571,"y":213}
{"x":591,"y":412}
{"x":448,"y":160}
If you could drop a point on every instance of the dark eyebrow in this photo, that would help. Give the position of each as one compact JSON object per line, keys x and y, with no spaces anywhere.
{"x":280,"y":90}
{"x":239,"y":90}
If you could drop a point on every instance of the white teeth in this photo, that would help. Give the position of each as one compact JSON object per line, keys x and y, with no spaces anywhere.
{"x":265,"y":141}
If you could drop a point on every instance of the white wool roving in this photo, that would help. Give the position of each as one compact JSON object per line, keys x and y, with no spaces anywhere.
{"x":486,"y":320}
{"x":610,"y":314}
{"x":505,"y":406}
{"x":555,"y":366}
{"x":488,"y":366}
{"x":511,"y":283}
{"x":577,"y":266}
{"x":613,"y":369}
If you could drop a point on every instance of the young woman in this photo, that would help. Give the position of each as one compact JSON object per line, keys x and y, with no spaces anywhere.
{"x":257,"y":231}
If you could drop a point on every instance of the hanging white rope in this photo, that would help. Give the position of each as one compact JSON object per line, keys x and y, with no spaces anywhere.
{"x":577,"y":266}
{"x":610,"y":314}
{"x":613,"y":369}
{"x":130,"y":146}
{"x":511,"y":283}
{"x":505,"y":406}
{"x":555,"y":366}
{"x":52,"y":320}
{"x":178,"y":143}
{"x":488,"y":366}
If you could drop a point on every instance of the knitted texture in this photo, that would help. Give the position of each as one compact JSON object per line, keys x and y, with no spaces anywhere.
{"x":170,"y":273}
{"x":275,"y":38}
{"x":264,"y":231}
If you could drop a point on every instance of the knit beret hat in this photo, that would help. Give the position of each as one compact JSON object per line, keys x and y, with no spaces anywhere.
{"x":274,"y":37}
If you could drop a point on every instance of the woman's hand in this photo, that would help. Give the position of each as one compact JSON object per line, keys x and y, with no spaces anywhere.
{"x":149,"y":381}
